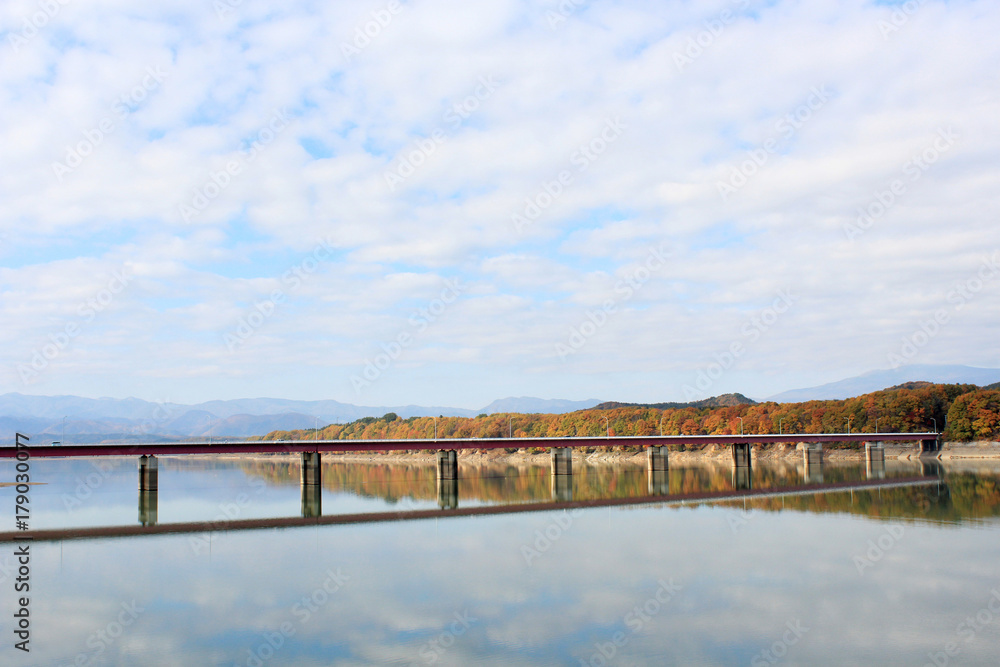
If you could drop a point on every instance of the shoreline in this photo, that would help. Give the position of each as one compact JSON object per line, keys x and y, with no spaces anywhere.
{"x":950,"y":451}
{"x":715,"y":454}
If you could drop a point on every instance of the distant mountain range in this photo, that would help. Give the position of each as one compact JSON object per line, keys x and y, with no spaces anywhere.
{"x":83,"y":420}
{"x":876,"y":380}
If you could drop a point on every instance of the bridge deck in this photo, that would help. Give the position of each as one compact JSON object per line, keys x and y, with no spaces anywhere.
{"x":323,"y":446}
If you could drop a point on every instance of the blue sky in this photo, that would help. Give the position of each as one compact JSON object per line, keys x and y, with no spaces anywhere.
{"x":445,"y":203}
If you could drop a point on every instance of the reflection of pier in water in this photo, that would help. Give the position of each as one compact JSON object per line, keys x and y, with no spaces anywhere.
{"x":487,"y":510}
{"x":561,"y":476}
{"x":447,"y":459}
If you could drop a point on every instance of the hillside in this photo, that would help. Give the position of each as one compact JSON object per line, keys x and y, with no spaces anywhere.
{"x":970,"y":412}
{"x":722,"y":401}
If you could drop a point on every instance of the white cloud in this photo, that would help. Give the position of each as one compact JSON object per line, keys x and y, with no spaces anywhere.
{"x":552,"y":91}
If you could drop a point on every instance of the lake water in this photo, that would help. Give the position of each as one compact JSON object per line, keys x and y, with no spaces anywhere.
{"x":908,"y":575}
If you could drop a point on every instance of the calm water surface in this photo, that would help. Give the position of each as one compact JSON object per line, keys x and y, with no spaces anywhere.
{"x":891,"y":576}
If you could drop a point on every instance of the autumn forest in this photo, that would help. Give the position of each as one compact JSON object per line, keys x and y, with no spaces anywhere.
{"x":963,"y":411}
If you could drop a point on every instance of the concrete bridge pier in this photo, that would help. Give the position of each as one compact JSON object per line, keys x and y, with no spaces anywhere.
{"x":812,"y":459}
{"x":875,"y":460}
{"x":562,"y":488}
{"x":657,"y":458}
{"x":311,"y":472}
{"x":447,"y":493}
{"x":562,"y":461}
{"x":659,"y":481}
{"x":148,"y":473}
{"x":447,"y":464}
{"x":929,"y":447}
{"x":741,"y":454}
{"x":311,"y":481}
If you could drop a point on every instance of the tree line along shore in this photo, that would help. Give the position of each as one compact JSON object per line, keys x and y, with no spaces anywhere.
{"x":961,"y":412}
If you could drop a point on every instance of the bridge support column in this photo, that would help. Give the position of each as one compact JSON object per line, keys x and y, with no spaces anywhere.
{"x":659,"y":481}
{"x":812,"y":453}
{"x":447,"y":491}
{"x":741,"y":454}
{"x":148,"y":473}
{"x":657,"y":458}
{"x":562,"y":488}
{"x":812,"y":463}
{"x":311,"y":481}
{"x":447,"y":464}
{"x":562,"y":461}
{"x":311,"y":472}
{"x":929,"y":447}
{"x":874,"y":460}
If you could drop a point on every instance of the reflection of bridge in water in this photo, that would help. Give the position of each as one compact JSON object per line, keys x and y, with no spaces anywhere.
{"x":482,"y":510}
{"x":561,"y":450}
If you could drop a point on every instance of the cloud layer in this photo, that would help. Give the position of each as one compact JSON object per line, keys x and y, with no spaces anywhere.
{"x":438,"y":202}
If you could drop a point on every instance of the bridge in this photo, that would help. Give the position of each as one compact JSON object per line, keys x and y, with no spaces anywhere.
{"x":928,"y":442}
{"x":561,"y":451}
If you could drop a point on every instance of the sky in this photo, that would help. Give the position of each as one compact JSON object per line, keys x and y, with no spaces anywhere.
{"x":443,"y":203}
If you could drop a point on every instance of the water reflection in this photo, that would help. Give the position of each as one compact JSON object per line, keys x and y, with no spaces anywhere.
{"x":882,"y":576}
{"x":148,"y":502}
{"x":419,"y":486}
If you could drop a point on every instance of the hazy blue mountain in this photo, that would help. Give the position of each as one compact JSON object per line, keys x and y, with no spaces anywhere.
{"x":882,"y":379}
{"x":57,"y":407}
{"x":93,"y":420}
{"x":246,"y":425}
